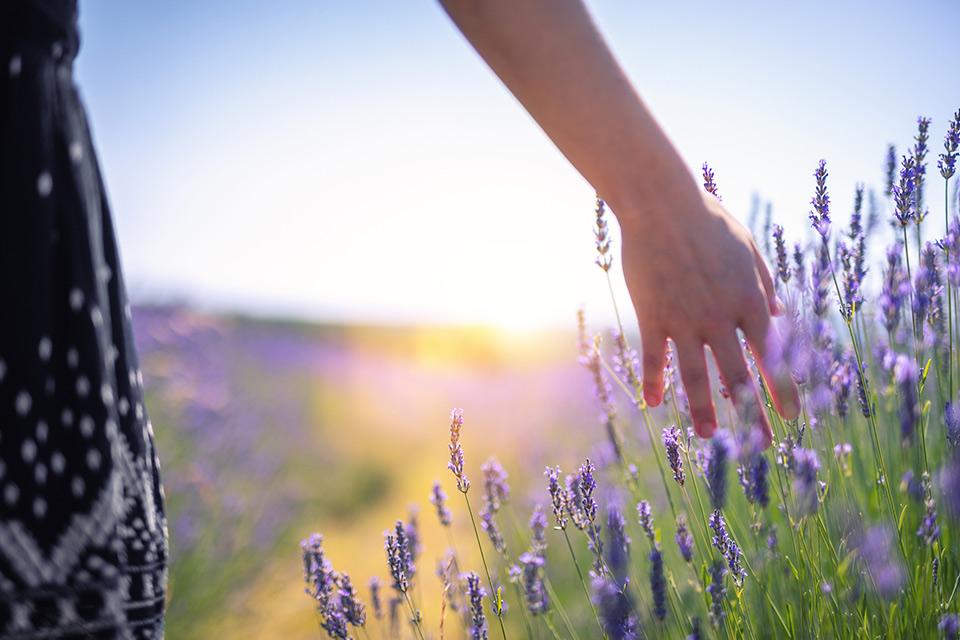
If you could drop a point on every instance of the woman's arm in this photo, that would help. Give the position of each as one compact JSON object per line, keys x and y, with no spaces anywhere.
{"x":693,"y":272}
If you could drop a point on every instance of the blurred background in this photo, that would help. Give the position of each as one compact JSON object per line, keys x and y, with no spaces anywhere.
{"x":337,"y":225}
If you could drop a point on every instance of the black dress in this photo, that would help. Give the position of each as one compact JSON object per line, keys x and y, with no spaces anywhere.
{"x":83,"y":546}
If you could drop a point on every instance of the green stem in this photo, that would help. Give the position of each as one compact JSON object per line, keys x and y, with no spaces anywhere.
{"x":583,"y":583}
{"x":493,"y":590}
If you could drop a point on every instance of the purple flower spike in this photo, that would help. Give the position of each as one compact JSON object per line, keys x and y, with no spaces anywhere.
{"x":904,"y":192}
{"x":718,"y":593}
{"x":906,"y":374}
{"x":708,"y":181}
{"x":671,"y":442}
{"x":615,"y":608}
{"x":820,"y":216}
{"x":805,"y":486}
{"x":534,"y":590}
{"x":558,"y":496}
{"x":618,"y":547}
{"x":882,"y":561}
{"x":602,"y":236}
{"x":375,"y":598}
{"x":949,"y":626}
{"x":658,"y":584}
{"x":646,"y":519}
{"x":476,"y":594}
{"x":783,"y":267}
{"x":951,"y":144}
{"x":890,"y":171}
{"x":684,"y":539}
{"x":951,"y":415}
{"x":588,"y":507}
{"x":456,"y":451}
{"x":720,"y":446}
{"x":727,"y":546}
{"x":353,"y":609}
{"x":439,"y":500}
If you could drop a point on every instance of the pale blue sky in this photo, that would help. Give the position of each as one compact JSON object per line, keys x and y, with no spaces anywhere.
{"x":357,"y":161}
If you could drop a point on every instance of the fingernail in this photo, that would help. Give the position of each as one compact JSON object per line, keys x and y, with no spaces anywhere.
{"x":706,"y":429}
{"x":790,"y":410}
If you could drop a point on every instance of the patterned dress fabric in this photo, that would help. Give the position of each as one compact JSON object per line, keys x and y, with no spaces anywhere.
{"x":83,"y":545}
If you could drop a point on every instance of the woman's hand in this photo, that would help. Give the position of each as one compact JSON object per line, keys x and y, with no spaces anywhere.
{"x":696,"y":276}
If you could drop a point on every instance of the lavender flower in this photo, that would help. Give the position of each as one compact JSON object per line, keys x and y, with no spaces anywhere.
{"x":949,"y":626}
{"x":783,"y":268}
{"x":626,"y":363}
{"x":708,"y":181}
{"x":618,"y":543}
{"x":904,"y":192}
{"x":398,"y":556}
{"x":531,"y":576}
{"x":753,"y":478}
{"x":414,"y":547}
{"x":862,"y":384}
{"x":321,"y":579}
{"x":671,"y":442}
{"x":881,"y":561}
{"x":615,"y":608}
{"x":951,"y":244}
{"x":929,"y":531}
{"x":488,"y":522}
{"x":820,"y":216}
{"x":842,"y":453}
{"x":727,"y":546}
{"x":920,"y":161}
{"x":841,"y":379}
{"x":805,"y":487}
{"x":717,"y":591}
{"x":495,"y":487}
{"x":717,"y":470}
{"x":684,"y":539}
{"x":602,"y":236}
{"x":895,"y":288}
{"x":538,"y":530}
{"x":906,"y":374}
{"x":890,"y":170}
{"x":353,"y":609}
{"x":574,"y":502}
{"x":456,"y":451}
{"x":476,"y":594}
{"x":439,"y":499}
{"x":951,"y":143}
{"x":646,"y":519}
{"x":558,"y":496}
{"x":375,"y":598}
{"x":696,"y":633}
{"x":588,"y":506}
{"x":658,"y":585}
{"x":799,"y":270}
{"x":951,"y":416}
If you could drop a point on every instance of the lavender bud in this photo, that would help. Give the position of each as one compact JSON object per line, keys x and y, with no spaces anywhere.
{"x":615,"y":608}
{"x":805,"y":468}
{"x":602,"y":236}
{"x":783,"y":268}
{"x":658,"y":585}
{"x":558,"y":496}
{"x":439,"y":499}
{"x":727,"y":546}
{"x":717,"y":469}
{"x":456,"y":451}
{"x":820,"y":216}
{"x":708,"y":181}
{"x":353,"y":609}
{"x":646,"y":519}
{"x":890,"y":170}
{"x":718,"y":593}
{"x":949,"y":626}
{"x":671,"y":442}
{"x":618,"y":547}
{"x":476,"y":594}
{"x":531,"y":577}
{"x":375,"y":598}
{"x":684,"y":539}
{"x":951,"y":143}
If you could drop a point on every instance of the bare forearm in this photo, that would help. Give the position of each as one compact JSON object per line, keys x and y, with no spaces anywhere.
{"x":550,"y":55}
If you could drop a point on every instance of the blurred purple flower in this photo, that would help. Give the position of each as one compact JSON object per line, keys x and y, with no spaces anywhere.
{"x":439,"y":500}
{"x":805,"y":487}
{"x":658,"y":585}
{"x":820,"y":216}
{"x":684,"y":539}
{"x":615,"y":608}
{"x":881,"y":560}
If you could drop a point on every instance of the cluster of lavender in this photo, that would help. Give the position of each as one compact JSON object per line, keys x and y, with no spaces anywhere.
{"x":820,"y":541}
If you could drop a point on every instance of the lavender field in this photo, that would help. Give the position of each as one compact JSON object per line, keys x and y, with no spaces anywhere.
{"x":267,"y":429}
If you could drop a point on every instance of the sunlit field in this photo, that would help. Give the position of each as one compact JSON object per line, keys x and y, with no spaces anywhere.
{"x":269,"y":429}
